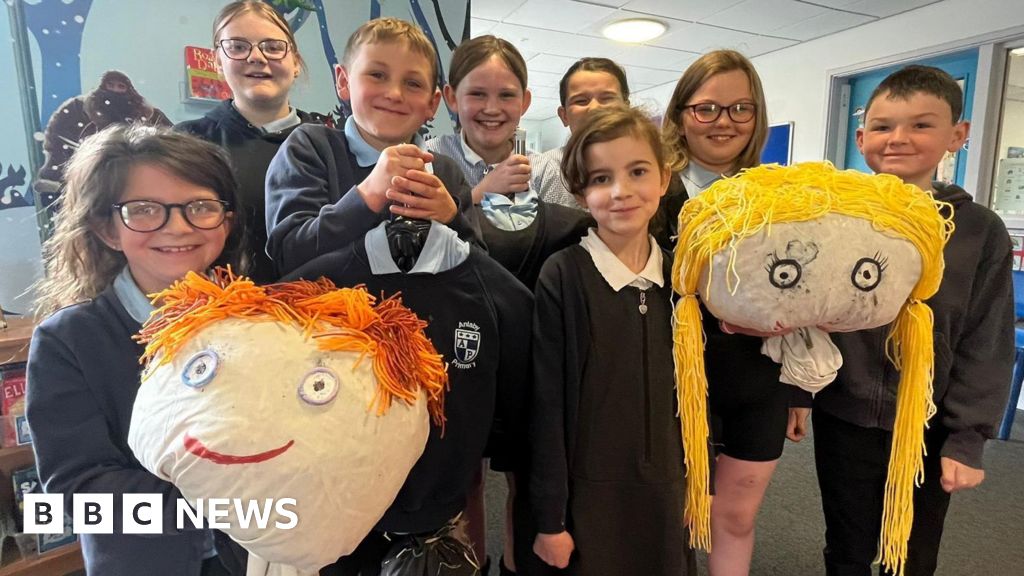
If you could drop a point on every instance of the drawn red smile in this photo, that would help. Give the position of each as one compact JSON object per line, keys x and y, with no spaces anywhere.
{"x":196,"y":447}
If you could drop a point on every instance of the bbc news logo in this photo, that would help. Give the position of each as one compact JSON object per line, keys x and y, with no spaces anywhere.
{"x":143,"y":513}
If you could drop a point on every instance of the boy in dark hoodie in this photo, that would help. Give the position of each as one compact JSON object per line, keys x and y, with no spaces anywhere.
{"x":911,"y":121}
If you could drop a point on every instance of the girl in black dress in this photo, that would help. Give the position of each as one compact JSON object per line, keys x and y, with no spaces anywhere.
{"x":607,"y":477}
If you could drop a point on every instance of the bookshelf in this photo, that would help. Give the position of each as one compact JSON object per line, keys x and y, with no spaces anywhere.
{"x":14,"y":340}
{"x":61,"y":561}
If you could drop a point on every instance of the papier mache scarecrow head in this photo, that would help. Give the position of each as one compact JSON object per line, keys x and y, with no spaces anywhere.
{"x":809,"y":249}
{"x":295,"y":390}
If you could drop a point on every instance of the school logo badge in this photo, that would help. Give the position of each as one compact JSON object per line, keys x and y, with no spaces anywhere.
{"x":467,"y":344}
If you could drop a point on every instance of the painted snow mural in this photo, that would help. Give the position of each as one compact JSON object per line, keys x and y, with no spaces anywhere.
{"x":62,"y":49}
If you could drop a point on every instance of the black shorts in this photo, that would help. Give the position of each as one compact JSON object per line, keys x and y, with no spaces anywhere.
{"x":749,"y":407}
{"x":753,"y":430}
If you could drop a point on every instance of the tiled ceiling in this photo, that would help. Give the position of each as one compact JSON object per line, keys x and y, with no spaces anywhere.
{"x":552,"y":34}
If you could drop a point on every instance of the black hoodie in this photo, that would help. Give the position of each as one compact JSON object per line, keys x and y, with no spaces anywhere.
{"x":251,"y":151}
{"x":974,"y":341}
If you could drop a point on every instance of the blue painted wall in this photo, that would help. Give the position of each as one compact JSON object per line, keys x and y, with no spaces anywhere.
{"x":962,"y":65}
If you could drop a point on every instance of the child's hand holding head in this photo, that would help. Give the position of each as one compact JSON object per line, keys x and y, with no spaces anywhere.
{"x":158,"y":201}
{"x":911,"y":121}
{"x":394,"y":161}
{"x":615,"y":166}
{"x":421,"y":195}
{"x":508,"y":176}
{"x":717,"y":115}
{"x":400,"y":177}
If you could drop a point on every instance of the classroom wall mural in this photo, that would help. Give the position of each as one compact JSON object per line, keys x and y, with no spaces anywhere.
{"x":78,"y":65}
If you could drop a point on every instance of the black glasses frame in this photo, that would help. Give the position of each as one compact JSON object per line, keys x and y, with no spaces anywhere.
{"x":120,"y":207}
{"x":260,"y":45}
{"x":728,"y":110}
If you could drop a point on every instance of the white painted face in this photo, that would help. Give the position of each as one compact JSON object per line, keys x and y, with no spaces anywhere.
{"x":835,"y":272}
{"x":253,"y":410}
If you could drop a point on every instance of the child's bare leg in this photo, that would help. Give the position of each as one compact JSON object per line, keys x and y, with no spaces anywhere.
{"x":740,"y":486}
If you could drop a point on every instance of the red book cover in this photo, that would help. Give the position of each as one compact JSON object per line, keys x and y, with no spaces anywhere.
{"x":12,"y":385}
{"x":201,"y":78}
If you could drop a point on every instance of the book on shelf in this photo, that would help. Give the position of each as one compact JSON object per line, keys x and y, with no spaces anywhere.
{"x":26,"y":481}
{"x":202,"y":81}
{"x":12,"y":405}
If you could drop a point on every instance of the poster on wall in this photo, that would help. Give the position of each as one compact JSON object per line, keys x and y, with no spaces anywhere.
{"x":1009,"y":187}
{"x":202,"y":82}
{"x":779,"y":147}
{"x":114,"y":100}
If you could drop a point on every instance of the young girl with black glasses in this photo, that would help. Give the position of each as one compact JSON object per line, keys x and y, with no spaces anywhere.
{"x":142,"y":207}
{"x":257,"y":55}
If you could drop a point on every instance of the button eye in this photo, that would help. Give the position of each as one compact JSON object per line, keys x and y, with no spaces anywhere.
{"x":784,"y":273}
{"x":867,"y":274}
{"x":200,"y":369}
{"x":319,"y":386}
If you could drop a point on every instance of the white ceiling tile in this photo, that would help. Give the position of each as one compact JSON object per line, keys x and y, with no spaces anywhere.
{"x":542,"y":107}
{"x":638,"y":75}
{"x":550,"y":63}
{"x":544,"y":79}
{"x":885,"y":8}
{"x":655,"y":57}
{"x":700,"y":38}
{"x":758,"y":45}
{"x":691,"y":10}
{"x":764,"y":16}
{"x":479,"y":26}
{"x":828,"y":23}
{"x":616,"y":3}
{"x":552,"y":42}
{"x":493,"y":9}
{"x":835,"y":3}
{"x":564,"y":15}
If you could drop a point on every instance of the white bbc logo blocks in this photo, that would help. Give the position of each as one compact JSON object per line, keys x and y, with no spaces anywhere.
{"x":44,"y":514}
{"x":142,"y":514}
{"x":93,"y":513}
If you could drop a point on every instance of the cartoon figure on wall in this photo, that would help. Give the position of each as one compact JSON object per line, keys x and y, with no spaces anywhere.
{"x":10,"y":196}
{"x":114,"y":100}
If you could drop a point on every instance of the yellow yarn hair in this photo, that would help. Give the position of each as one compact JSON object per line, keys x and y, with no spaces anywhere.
{"x":738,"y":207}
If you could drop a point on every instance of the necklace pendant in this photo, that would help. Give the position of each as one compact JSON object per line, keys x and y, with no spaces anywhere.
{"x":643,"y":302}
{"x":643,"y":308}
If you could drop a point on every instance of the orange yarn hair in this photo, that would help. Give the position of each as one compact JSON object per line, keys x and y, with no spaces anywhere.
{"x":339,"y":319}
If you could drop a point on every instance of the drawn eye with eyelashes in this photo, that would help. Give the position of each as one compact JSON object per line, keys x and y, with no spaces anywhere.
{"x":783,"y":272}
{"x":867,"y":272}
{"x":786,"y":272}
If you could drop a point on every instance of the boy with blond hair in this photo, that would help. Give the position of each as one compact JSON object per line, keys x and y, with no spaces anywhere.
{"x":328,"y":192}
{"x":327,"y":188}
{"x":911,"y":121}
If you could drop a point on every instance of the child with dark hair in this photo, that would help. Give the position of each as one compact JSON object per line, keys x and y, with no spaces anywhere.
{"x":910,"y":122}
{"x":142,"y":208}
{"x":589,"y":84}
{"x":607,"y":481}
{"x":487,"y":88}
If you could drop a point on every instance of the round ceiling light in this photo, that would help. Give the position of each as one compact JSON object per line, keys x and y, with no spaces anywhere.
{"x":634,"y":30}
